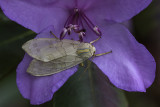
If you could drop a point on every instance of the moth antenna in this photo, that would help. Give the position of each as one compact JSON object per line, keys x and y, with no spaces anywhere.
{"x":103,"y":53}
{"x":54,"y":35}
{"x":95,"y":40}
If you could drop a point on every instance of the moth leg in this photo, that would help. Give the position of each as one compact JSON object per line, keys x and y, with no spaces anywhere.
{"x":54,"y":35}
{"x":81,"y":64}
{"x":95,"y":40}
{"x":88,"y":65}
{"x":85,"y":70}
{"x":103,"y":53}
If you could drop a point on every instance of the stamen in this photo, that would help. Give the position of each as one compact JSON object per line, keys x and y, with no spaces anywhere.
{"x":72,"y":27}
{"x":63,"y":33}
{"x":76,"y":10}
{"x":81,"y":36}
{"x":75,"y":22}
{"x":69,"y":29}
{"x":96,"y":29}
{"x":68,"y":20}
{"x":91,"y":25}
{"x":87,"y":19}
{"x":81,"y":23}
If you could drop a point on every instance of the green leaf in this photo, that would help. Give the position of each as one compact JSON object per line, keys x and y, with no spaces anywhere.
{"x":12,"y":36}
{"x":10,"y":95}
{"x":147,"y":23}
{"x":16,"y":38}
{"x":89,"y":88}
{"x":3,"y":18}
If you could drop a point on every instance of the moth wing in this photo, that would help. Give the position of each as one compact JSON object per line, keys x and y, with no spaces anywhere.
{"x":40,"y":68}
{"x":34,"y":47}
{"x":69,"y":58}
{"x":47,"y":49}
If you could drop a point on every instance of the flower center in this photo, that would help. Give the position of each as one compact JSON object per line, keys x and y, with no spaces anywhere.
{"x":75,"y":22}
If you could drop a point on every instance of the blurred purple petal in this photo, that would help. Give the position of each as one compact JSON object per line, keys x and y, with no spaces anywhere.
{"x":40,"y":89}
{"x":33,"y":14}
{"x":114,"y":10}
{"x":37,"y":15}
{"x":130,"y":66}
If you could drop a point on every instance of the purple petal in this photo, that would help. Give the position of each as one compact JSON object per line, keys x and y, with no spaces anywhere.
{"x":33,"y":14}
{"x":37,"y":15}
{"x":130,"y":66}
{"x":40,"y":89}
{"x":115,"y":10}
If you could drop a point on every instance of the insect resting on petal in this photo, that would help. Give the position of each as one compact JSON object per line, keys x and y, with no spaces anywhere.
{"x":52,"y":55}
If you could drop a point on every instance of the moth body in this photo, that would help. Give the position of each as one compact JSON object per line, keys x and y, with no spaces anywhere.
{"x":52,"y":55}
{"x":86,"y":50}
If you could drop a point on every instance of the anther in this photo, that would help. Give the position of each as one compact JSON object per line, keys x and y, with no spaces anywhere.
{"x":97,"y":31}
{"x":75,"y":27}
{"x":76,"y":10}
{"x":63,"y":33}
{"x":71,"y":27}
{"x":81,"y":36}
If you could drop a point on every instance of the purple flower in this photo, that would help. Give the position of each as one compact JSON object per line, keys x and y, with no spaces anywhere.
{"x":130,"y":66}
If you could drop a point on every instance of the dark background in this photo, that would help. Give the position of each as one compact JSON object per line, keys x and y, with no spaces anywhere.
{"x":145,"y":27}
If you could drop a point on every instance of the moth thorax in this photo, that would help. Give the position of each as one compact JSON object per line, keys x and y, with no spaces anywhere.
{"x":86,"y":50}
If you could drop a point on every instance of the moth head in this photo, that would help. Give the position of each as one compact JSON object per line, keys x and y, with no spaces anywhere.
{"x":86,"y":50}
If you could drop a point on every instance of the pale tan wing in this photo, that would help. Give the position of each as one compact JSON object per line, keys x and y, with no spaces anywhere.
{"x":69,"y":58}
{"x":40,"y":68}
{"x":47,"y":49}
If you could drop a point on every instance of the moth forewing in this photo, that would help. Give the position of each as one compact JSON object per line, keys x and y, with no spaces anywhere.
{"x":36,"y":48}
{"x":47,"y":49}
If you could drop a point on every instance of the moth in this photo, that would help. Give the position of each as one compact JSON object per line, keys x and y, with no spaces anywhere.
{"x":52,"y":55}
